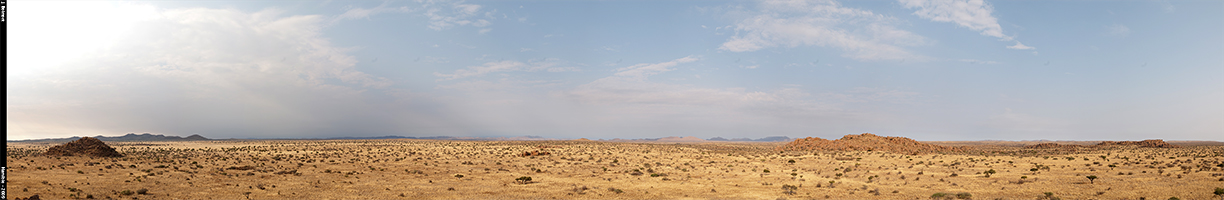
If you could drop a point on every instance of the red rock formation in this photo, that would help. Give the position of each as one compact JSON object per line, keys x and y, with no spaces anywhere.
{"x":86,"y":146}
{"x":868,"y":142}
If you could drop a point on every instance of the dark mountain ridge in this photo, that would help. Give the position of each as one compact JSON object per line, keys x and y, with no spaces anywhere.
{"x":125,"y":138}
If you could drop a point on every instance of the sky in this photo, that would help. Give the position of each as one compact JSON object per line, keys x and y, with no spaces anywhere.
{"x":923,"y":69}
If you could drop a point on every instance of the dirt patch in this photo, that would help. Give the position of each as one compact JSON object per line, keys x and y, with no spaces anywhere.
{"x":868,"y":142}
{"x":86,"y":146}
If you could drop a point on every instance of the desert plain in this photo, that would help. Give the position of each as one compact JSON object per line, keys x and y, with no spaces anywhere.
{"x":584,"y":169}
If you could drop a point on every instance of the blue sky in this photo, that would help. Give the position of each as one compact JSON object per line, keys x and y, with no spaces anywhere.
{"x":929,"y":70}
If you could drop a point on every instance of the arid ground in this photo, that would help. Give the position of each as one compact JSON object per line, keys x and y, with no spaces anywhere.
{"x":434,"y":169}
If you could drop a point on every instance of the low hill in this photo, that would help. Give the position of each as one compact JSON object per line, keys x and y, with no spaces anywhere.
{"x":868,"y":142}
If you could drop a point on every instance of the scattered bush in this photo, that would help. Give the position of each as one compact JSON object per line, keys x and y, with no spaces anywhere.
{"x":964,"y":195}
{"x":789,"y":189}
{"x":523,"y":180}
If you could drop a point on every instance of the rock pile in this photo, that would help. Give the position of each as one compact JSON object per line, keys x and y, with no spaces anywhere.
{"x":1145,"y":143}
{"x":86,"y":146}
{"x":868,"y":142}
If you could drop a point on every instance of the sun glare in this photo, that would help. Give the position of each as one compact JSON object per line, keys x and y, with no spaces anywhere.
{"x":53,"y":33}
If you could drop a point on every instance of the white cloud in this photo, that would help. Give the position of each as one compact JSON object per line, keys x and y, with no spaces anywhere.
{"x":976,"y":15}
{"x":549,"y":65}
{"x":441,"y":14}
{"x":1168,"y":7}
{"x":630,"y":86}
{"x":208,"y":71}
{"x":972,"y":14}
{"x":1118,"y":30}
{"x":364,"y":13}
{"x":1019,"y":46}
{"x":641,"y":71}
{"x":860,"y":34}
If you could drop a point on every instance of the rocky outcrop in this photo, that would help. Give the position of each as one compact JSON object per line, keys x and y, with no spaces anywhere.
{"x":868,"y":142}
{"x":85,"y":146}
{"x":1145,"y":143}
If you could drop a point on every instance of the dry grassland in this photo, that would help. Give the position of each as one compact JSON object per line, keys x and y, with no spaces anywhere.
{"x":428,"y":169}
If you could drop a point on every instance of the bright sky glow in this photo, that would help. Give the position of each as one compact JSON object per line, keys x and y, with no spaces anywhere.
{"x":925,"y":69}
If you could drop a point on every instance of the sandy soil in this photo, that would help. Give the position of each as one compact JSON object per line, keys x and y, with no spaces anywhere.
{"x":427,"y":169}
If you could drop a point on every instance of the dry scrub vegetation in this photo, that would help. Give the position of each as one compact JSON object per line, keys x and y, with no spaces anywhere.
{"x":431,"y":169}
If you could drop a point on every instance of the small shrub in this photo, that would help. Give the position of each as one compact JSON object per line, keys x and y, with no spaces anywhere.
{"x":126,"y":192}
{"x":142,"y":191}
{"x":789,"y":189}
{"x":938,"y":195}
{"x":524,"y":180}
{"x":964,"y":195}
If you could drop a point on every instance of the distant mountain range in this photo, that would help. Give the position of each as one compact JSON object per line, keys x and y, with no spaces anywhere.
{"x":529,"y":137}
{"x":765,"y":139}
{"x":125,"y":138}
{"x":695,"y":139}
{"x":151,"y":137}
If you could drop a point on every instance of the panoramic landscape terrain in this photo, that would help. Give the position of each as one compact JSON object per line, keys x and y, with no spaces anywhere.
{"x":598,"y":99}
{"x":861,"y":166}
